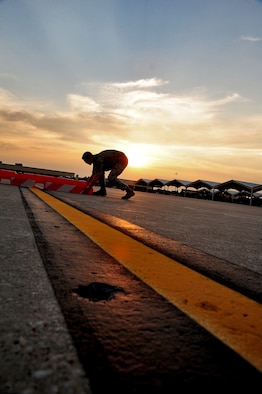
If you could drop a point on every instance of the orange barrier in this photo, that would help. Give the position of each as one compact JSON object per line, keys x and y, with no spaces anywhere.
{"x":45,"y":182}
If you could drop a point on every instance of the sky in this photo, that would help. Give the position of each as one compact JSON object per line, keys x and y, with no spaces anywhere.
{"x":174,"y":84}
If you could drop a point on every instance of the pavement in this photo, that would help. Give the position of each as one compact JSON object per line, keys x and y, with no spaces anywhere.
{"x":37,"y":353}
{"x":229,"y":231}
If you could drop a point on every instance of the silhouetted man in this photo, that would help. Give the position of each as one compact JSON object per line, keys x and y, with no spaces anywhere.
{"x":108,"y":160}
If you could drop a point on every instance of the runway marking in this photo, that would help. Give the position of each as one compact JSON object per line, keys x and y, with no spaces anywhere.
{"x":231,"y":317}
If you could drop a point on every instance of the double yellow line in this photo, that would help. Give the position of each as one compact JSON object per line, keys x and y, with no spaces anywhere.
{"x":231,"y":317}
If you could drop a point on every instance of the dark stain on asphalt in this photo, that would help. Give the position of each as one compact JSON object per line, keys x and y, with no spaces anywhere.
{"x":97,"y":291}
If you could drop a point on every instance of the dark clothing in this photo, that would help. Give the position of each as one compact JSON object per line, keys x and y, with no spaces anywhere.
{"x":107,"y":160}
{"x":113,"y":161}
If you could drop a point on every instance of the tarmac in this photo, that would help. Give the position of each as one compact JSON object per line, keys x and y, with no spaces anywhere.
{"x":37,"y":353}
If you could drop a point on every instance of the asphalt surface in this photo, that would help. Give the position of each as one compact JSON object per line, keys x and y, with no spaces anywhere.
{"x":37,"y":354}
{"x":228,"y":231}
{"x":56,"y":338}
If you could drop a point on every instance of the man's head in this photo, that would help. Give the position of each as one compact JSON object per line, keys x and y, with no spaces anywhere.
{"x":87,"y":157}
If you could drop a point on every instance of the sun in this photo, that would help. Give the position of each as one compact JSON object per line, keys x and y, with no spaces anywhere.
{"x":137,"y":156}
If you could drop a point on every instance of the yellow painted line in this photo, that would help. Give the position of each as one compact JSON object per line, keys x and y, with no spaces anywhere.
{"x":233,"y":318}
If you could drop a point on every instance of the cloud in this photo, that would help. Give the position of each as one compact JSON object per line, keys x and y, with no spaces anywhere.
{"x":227,"y":100}
{"x":6,"y":97}
{"x":145,"y":113}
{"x":116,"y":113}
{"x":82,"y":104}
{"x":10,"y":101}
{"x":140,"y":84}
{"x":133,"y":113}
{"x":191,"y":134}
{"x":251,"y":38}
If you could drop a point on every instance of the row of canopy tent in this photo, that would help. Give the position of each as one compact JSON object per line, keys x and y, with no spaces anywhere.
{"x":240,"y":186}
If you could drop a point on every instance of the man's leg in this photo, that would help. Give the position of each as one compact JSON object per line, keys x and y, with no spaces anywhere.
{"x":114,"y":173}
{"x":114,"y":181}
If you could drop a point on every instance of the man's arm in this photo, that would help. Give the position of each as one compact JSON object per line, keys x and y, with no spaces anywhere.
{"x":98,"y":168}
{"x":91,"y":182}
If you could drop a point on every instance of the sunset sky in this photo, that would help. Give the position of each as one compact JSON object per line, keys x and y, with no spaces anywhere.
{"x":175,"y":84}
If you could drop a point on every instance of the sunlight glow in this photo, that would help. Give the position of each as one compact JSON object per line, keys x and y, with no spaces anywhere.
{"x":137,"y":156}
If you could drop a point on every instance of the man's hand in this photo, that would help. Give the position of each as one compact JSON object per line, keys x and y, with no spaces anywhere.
{"x":91,"y":182}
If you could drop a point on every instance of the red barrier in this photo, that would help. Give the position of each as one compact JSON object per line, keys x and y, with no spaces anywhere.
{"x":45,"y":182}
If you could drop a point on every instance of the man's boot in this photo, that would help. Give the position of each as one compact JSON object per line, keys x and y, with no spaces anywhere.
{"x":129,"y":194}
{"x":101,"y":192}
